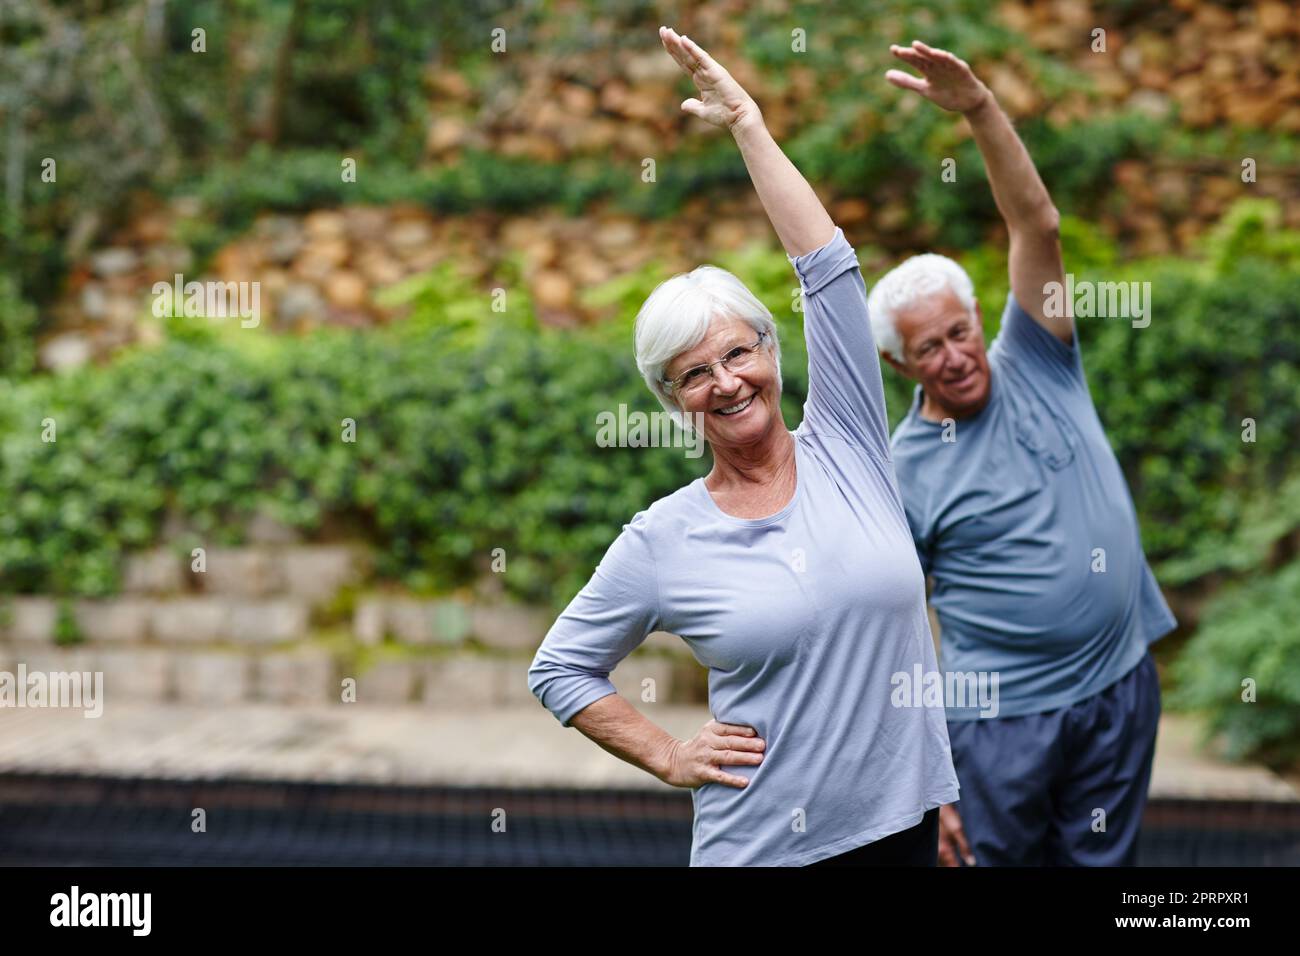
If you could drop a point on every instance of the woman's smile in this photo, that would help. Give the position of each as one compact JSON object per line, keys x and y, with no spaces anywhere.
{"x":739,"y":407}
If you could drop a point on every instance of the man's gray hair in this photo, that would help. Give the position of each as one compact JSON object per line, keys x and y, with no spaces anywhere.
{"x":906,"y":284}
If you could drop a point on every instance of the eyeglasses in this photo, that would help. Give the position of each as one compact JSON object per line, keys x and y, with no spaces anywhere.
{"x":737,"y":360}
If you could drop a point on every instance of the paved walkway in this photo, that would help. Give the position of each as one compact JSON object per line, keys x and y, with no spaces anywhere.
{"x":500,"y":747}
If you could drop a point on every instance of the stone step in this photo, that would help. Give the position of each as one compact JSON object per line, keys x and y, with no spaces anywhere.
{"x":199,"y":676}
{"x":312,"y":572}
{"x":449,"y":621}
{"x":308,"y":673}
{"x":176,"y":620}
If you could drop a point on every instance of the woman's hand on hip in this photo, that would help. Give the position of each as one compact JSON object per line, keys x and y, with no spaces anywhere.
{"x":700,"y":760}
{"x":722,"y":101}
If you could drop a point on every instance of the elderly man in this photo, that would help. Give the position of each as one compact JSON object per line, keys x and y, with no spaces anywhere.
{"x":1025,"y":525}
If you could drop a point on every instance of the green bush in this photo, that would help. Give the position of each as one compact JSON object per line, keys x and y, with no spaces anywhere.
{"x":1248,"y":633}
{"x":17,"y":320}
{"x":467,"y":439}
{"x":476,"y":430}
{"x":1223,"y":346}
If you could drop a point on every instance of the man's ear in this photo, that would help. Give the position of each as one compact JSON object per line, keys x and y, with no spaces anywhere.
{"x":897,"y":365}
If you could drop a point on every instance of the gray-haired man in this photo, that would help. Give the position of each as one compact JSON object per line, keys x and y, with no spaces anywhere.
{"x":1024,"y":522}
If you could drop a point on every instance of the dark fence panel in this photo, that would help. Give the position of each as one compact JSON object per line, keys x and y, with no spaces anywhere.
{"x":56,"y":820}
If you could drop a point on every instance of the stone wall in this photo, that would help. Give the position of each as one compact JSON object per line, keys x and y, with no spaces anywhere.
{"x":1212,"y":65}
{"x":289,"y":624}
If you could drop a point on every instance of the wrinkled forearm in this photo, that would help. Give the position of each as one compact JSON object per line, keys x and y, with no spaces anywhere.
{"x":621,"y":729}
{"x":798,"y":216}
{"x":1018,"y":190}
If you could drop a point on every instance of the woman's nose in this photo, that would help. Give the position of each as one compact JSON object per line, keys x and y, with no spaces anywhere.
{"x":724,"y":380}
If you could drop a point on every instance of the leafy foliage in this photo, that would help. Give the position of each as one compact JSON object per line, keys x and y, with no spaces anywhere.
{"x":476,"y":430}
{"x":1248,"y":633}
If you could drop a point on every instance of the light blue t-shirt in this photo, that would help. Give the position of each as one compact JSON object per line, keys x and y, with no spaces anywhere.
{"x":1027,"y":528}
{"x":803,"y":618}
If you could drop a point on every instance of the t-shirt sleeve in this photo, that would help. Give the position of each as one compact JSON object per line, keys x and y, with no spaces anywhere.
{"x":845,"y":392}
{"x":607,"y":620}
{"x":1037,"y":352}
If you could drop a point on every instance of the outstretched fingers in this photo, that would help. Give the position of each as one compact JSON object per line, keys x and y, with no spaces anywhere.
{"x":943,"y":71}
{"x":699,"y":54}
{"x":926,"y":58}
{"x":689,"y":55}
{"x":673,"y":47}
{"x":906,"y":81}
{"x":941,"y":59}
{"x":943,"y":56}
{"x":913,"y":58}
{"x":916,"y":60}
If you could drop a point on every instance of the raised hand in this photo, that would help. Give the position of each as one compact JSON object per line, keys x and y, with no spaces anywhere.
{"x":1034,"y":255}
{"x":948,"y":80}
{"x":722,"y":101}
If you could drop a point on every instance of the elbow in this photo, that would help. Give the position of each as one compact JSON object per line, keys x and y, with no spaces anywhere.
{"x":1040,"y":223}
{"x":552,"y":682}
{"x":1048,"y":223}
{"x":540,"y":673}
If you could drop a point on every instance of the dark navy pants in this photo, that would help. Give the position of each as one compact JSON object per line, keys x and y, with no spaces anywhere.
{"x":1039,"y":789}
{"x":915,"y":846}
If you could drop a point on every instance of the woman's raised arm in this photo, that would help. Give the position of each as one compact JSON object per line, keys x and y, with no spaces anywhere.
{"x":845,"y":392}
{"x":800,"y":220}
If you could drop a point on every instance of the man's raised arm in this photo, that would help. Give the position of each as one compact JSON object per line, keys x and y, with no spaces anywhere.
{"x":1031,"y":218}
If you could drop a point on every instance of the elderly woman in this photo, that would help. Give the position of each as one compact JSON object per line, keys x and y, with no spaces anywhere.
{"x":789,"y":570}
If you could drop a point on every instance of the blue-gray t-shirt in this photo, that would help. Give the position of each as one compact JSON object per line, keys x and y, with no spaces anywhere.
{"x":1027,"y":528}
{"x":805,"y":618}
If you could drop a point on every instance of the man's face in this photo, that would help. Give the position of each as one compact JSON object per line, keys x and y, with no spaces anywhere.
{"x":943,"y":349}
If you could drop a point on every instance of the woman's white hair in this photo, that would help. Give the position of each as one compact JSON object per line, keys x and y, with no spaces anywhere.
{"x":677,"y":315}
{"x":907,"y":283}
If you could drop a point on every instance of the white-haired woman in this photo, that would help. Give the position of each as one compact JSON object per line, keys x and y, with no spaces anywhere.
{"x":789,"y":570}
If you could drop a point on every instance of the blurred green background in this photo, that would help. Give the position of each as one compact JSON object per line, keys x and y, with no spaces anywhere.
{"x":475,"y":427}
